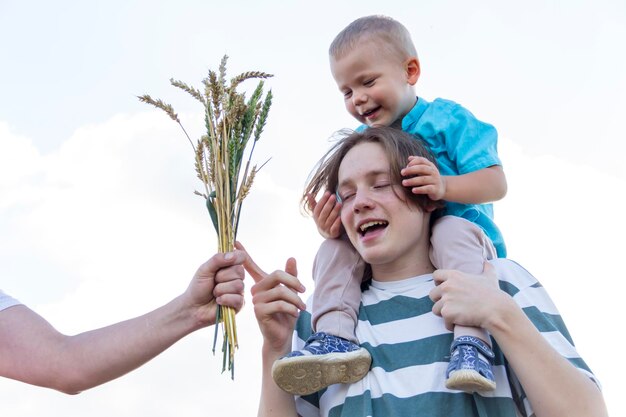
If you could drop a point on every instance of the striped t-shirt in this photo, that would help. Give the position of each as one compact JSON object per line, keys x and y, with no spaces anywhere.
{"x":410,"y":349}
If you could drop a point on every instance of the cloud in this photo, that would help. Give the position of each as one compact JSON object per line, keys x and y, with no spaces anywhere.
{"x":109,"y":228}
{"x":20,"y":161}
{"x":561,"y":221}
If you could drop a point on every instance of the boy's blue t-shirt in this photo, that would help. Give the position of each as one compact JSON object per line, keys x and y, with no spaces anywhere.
{"x":461,"y":144}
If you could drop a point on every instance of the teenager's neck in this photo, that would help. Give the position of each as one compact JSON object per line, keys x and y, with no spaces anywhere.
{"x":403,"y":269}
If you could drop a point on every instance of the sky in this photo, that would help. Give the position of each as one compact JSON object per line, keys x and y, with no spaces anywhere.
{"x":99,"y":223}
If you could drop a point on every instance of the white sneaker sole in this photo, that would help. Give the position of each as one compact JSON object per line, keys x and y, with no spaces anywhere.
{"x":469,"y":381}
{"x":304,"y":375}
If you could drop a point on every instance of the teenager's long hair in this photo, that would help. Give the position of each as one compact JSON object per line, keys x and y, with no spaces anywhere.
{"x":397,"y":145}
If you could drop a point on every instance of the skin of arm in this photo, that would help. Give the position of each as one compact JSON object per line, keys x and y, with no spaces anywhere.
{"x":554,"y":386}
{"x":478,"y":187}
{"x":33,"y":351}
{"x":276,"y":307}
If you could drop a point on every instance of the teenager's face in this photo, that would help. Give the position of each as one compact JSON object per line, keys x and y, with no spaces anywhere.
{"x":376,"y":86}
{"x":388,"y":231}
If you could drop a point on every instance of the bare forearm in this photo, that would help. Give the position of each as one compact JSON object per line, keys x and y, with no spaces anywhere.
{"x":479,"y":187}
{"x":553,"y":385}
{"x":274,"y":401}
{"x":32,"y":351}
{"x":104,"y":354}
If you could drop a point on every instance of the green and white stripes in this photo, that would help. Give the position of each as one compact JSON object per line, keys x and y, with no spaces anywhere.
{"x":410,"y":349}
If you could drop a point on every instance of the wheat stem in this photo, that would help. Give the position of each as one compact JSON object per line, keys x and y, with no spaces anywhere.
{"x":230,"y":122}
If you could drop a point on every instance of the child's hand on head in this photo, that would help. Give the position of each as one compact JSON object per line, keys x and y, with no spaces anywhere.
{"x":326,"y":215}
{"x":424,"y":178}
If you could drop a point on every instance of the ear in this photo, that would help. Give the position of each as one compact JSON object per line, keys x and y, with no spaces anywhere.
{"x":412,"y":67}
{"x":431,"y":206}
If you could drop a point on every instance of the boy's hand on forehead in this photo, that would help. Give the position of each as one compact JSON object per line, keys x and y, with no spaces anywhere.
{"x":423,"y":177}
{"x":326,"y":213}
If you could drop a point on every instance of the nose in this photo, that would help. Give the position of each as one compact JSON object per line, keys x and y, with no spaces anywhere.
{"x":359,"y":97}
{"x":362,"y":201}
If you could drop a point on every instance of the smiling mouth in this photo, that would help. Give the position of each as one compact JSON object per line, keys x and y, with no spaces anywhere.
{"x":371,"y":226}
{"x":370,"y":112}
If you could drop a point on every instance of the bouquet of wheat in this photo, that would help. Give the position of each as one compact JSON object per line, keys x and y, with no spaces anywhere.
{"x":230,"y":122}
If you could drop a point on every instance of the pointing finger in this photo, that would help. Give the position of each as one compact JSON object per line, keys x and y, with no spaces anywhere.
{"x":253,"y":269}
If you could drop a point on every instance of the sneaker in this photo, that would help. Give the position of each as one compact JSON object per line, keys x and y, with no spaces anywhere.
{"x":324,"y":360}
{"x":470,"y":365}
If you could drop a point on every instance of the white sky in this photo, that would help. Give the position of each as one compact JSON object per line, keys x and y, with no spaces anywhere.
{"x":98,"y":222}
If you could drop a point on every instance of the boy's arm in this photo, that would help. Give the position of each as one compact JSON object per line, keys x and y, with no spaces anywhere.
{"x":470,"y":147}
{"x":478,"y":187}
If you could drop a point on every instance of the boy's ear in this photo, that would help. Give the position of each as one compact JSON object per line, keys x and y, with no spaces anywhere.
{"x":412,"y":67}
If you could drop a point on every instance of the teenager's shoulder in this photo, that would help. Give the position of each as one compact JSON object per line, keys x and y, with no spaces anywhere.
{"x":515,"y":276}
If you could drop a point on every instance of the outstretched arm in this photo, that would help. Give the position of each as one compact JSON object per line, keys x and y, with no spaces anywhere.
{"x":553,"y":385}
{"x":33,"y":351}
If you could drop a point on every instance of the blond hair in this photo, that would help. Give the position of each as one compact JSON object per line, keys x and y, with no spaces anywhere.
{"x":390,"y":34}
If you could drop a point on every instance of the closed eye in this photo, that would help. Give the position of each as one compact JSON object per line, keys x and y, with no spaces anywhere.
{"x":345,"y":197}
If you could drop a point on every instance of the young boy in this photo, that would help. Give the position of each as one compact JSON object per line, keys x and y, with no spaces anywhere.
{"x":375,"y":65}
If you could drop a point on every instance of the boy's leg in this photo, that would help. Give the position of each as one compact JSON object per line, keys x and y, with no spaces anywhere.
{"x":332,"y":354}
{"x":337,"y":272}
{"x":459,"y":244}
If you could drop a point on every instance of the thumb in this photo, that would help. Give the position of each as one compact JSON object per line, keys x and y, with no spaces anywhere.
{"x":253,"y":269}
{"x":291,"y":267}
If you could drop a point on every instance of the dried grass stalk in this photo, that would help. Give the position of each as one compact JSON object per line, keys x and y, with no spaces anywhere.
{"x":230,"y":122}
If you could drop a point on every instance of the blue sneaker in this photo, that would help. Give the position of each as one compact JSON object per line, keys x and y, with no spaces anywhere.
{"x":470,"y":365}
{"x":324,"y":360}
